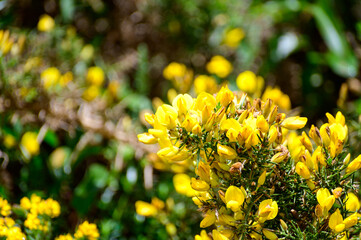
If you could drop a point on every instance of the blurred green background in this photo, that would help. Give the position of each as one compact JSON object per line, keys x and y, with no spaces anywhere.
{"x":89,"y":158}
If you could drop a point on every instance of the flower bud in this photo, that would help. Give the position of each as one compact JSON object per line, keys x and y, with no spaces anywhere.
{"x":354,"y":165}
{"x":303,"y":170}
{"x":315,"y":135}
{"x":199,"y":185}
{"x":294,"y":123}
{"x":226,"y":152}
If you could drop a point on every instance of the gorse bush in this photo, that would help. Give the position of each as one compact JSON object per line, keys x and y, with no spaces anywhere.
{"x":255,"y":176}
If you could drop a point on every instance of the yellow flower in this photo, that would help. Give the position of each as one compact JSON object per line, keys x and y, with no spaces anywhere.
{"x":46,"y":23}
{"x":87,"y":52}
{"x":325,"y":199}
{"x":147,"y":138}
{"x":145,"y":209}
{"x":208,"y":219}
{"x":279,"y":157}
{"x":199,"y":185}
{"x":262,"y":124}
{"x":91,"y":93}
{"x":203,"y":170}
{"x":204,"y":83}
{"x":113,"y":88}
{"x":49,"y":207}
{"x":336,"y":221}
{"x":5,"y":208}
{"x":352,"y":202}
{"x":294,"y":123}
{"x":30,"y":143}
{"x":50,"y":77}
{"x":269,"y":234}
{"x":218,"y":236}
{"x":87,"y":230}
{"x":32,"y":222}
{"x":64,"y":237}
{"x":306,"y":142}
{"x":268,"y":210}
{"x":174,"y":70}
{"x":315,"y":134}
{"x":226,"y":152}
{"x":233,"y":37}
{"x":219,"y":66}
{"x":58,"y":156}
{"x":159,"y":204}
{"x":234,"y":198}
{"x":166,"y":116}
{"x":262,"y":178}
{"x":15,"y":233}
{"x":337,"y":192}
{"x":95,"y":76}
{"x":182,"y":184}
{"x":9,"y":141}
{"x":182,"y":103}
{"x":65,"y":79}
{"x":278,"y":97}
{"x":203,"y":236}
{"x":248,"y":82}
{"x":354,"y":165}
{"x":225,"y":96}
{"x":171,"y":229}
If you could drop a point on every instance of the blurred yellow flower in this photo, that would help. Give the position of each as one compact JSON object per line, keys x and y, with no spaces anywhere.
{"x":174,"y":70}
{"x":204,"y":83}
{"x":30,"y":143}
{"x":95,"y":76}
{"x":50,"y":77}
{"x":179,"y":75}
{"x":58,"y":157}
{"x":46,"y":23}
{"x":15,"y":233}
{"x":66,"y":78}
{"x":113,"y":88}
{"x":5,"y":208}
{"x":278,"y":97}
{"x":248,"y":82}
{"x":9,"y":141}
{"x":233,"y":37}
{"x":203,"y":236}
{"x":91,"y":93}
{"x":145,"y":209}
{"x":6,"y":42}
{"x":32,"y":63}
{"x":64,"y":237}
{"x":87,"y":52}
{"x":87,"y":230}
{"x":182,"y":184}
{"x":219,"y":66}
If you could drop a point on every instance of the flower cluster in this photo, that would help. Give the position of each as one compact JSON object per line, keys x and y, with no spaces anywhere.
{"x":255,"y":177}
{"x":39,"y":212}
{"x":85,"y":231}
{"x":38,"y":215}
{"x":8,"y":229}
